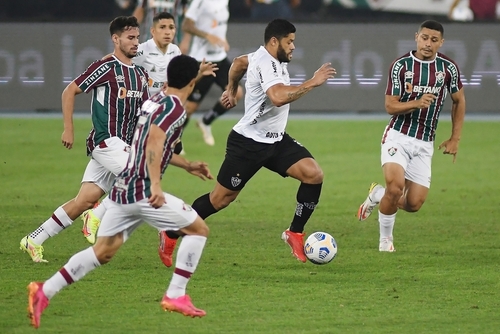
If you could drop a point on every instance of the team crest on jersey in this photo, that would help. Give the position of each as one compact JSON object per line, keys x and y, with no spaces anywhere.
{"x":235,"y":181}
{"x":120,"y":78}
{"x":392,"y":151}
{"x":144,"y":82}
{"x":153,"y":69}
{"x":408,"y":75}
{"x":440,"y":75}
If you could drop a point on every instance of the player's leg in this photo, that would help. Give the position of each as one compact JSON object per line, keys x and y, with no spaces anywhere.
{"x":294,"y":160}
{"x":112,"y":154}
{"x":218,"y":109}
{"x":95,"y":179}
{"x":418,"y":178}
{"x":394,"y":175}
{"x":199,"y":92}
{"x":116,"y":226}
{"x":177,"y":215}
{"x":244,"y":157}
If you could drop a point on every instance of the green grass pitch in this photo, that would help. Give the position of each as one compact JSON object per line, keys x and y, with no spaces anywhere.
{"x":444,"y":277}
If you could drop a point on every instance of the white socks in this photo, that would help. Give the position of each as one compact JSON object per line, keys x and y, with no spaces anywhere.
{"x":378,"y":194}
{"x":51,"y":226}
{"x":188,"y":256}
{"x":77,"y":267}
{"x":386,"y":223}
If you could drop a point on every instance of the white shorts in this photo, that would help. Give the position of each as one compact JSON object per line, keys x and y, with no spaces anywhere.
{"x":414,"y":155}
{"x":172,"y":216}
{"x":108,"y":160}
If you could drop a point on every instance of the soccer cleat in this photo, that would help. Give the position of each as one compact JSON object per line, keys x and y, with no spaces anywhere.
{"x":182,"y":305}
{"x":34,"y":250}
{"x":206,"y":130}
{"x":365,"y":209}
{"x":166,"y":248}
{"x":90,"y":226}
{"x":37,"y":302}
{"x":296,"y":243}
{"x":386,"y":245}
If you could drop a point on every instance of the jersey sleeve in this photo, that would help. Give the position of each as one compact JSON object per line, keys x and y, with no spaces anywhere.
{"x":454,"y":83}
{"x":268,"y":73}
{"x":394,"y":82}
{"x":95,"y":75}
{"x":194,"y":10}
{"x":170,"y":114}
{"x":145,"y":88}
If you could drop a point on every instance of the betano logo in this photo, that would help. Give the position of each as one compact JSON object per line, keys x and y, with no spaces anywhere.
{"x":123,"y":93}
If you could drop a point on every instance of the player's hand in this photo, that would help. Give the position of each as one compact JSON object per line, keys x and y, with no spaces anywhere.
{"x":67,"y":139}
{"x":157,"y":198}
{"x":425,"y":101}
{"x":325,"y":72}
{"x":450,"y":146}
{"x":228,"y":100}
{"x":214,"y":40}
{"x":208,"y":68}
{"x":199,"y":169}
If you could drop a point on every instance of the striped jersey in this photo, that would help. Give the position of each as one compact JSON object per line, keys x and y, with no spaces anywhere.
{"x":118,"y":91}
{"x":133,"y":183}
{"x":410,"y":78}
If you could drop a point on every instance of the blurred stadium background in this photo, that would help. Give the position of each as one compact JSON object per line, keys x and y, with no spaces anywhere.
{"x":46,"y":43}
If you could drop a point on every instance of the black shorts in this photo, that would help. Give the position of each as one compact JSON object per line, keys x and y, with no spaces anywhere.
{"x":244,"y":157}
{"x":203,"y":86}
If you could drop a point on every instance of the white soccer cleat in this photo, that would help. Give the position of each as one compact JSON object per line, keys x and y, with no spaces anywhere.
{"x":365,"y":209}
{"x":386,"y":245}
{"x":206,"y":130}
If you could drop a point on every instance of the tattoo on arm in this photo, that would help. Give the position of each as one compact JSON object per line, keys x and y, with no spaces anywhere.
{"x":151,"y":157}
{"x":299,"y":93}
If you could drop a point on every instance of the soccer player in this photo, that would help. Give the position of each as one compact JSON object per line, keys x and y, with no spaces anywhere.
{"x":146,"y":10}
{"x":260,"y":139}
{"x":206,"y":20}
{"x":118,"y":90}
{"x":417,"y":86}
{"x":137,"y":197}
{"x":154,"y":55}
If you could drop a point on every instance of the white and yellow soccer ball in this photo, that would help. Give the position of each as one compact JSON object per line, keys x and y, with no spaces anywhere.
{"x":320,"y":248}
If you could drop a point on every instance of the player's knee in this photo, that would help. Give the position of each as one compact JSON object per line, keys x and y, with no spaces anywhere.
{"x":393,"y":193}
{"x":313,"y":175}
{"x":414,"y":205}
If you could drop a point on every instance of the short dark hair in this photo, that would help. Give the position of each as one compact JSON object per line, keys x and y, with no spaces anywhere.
{"x":181,"y":70}
{"x":122,"y":23}
{"x":161,"y":16}
{"x":433,"y":25}
{"x":278,"y":28}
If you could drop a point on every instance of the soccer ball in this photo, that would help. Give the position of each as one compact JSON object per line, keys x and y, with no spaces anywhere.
{"x":320,"y":248}
{"x":462,"y":13}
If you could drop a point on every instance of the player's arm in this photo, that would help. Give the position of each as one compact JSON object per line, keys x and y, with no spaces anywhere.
{"x":139,"y":12}
{"x":68,"y":105}
{"x":281,"y":94}
{"x":236,"y":72}
{"x":196,"y":168}
{"x":450,"y":146}
{"x":189,"y":26}
{"x":154,"y":154}
{"x":394,"y":106}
